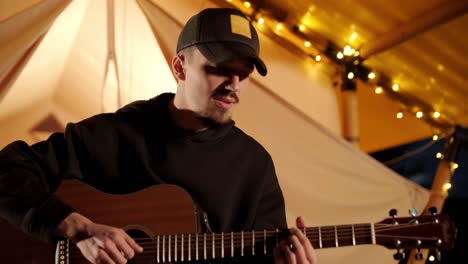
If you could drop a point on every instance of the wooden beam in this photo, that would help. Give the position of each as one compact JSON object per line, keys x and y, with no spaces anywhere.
{"x":439,"y":14}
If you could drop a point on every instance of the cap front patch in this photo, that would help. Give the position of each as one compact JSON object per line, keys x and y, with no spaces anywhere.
{"x":241,"y":26}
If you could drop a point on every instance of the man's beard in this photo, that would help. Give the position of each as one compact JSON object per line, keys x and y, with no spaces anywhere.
{"x":214,"y":116}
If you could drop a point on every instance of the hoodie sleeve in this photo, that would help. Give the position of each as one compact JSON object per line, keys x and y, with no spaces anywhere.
{"x":30,"y":174}
{"x":271,"y":210}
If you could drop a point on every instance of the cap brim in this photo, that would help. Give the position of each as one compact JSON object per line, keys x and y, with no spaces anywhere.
{"x":222,"y":52}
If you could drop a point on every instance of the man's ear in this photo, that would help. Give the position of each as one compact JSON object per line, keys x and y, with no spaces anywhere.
{"x":178,"y":67}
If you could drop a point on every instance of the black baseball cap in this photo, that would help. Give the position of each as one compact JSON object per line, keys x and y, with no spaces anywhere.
{"x":221,"y":35}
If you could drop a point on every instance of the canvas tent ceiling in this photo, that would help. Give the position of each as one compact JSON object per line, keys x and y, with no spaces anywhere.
{"x":312,"y":161}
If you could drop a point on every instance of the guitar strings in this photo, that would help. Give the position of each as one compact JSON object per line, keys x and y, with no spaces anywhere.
{"x":327,"y":235}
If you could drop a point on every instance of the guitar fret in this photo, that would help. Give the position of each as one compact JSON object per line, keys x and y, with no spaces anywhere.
{"x":336,"y":237}
{"x":169,"y":249}
{"x":320,"y":237}
{"x":232,"y":244}
{"x":242,"y":243}
{"x":157,"y":250}
{"x":264,"y":242}
{"x":196,"y":246}
{"x":253,"y":243}
{"x":182,"y":250}
{"x":164,"y":249}
{"x":204,"y":245}
{"x":222,"y":245}
{"x":213,"y":253}
{"x":175,"y":248}
{"x":354,"y":236}
{"x":373,"y":233}
{"x":189,"y":247}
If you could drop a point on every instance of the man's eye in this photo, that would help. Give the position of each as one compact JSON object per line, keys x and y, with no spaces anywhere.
{"x":216,"y":71}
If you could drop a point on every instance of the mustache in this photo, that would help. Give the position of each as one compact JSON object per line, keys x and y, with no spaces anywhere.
{"x":221,"y":91}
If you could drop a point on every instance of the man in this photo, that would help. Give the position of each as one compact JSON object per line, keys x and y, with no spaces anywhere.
{"x":187,"y":139}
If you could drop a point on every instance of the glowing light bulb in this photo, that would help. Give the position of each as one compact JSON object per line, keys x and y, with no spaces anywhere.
{"x":419,"y":114}
{"x":261,"y":21}
{"x":447,"y":186}
{"x":247,"y":4}
{"x":436,"y":115}
{"x":454,"y":166}
{"x":378,"y":90}
{"x":439,"y":155}
{"x":371,"y":75}
{"x":339,"y":55}
{"x":348,"y":50}
{"x":435,"y":137}
{"x":350,"y":75}
{"x":307,"y":44}
{"x":302,"y":27}
{"x":318,"y":58}
{"x":399,"y":115}
{"x":431,"y":258}
{"x":279,"y":26}
{"x":396,"y":87}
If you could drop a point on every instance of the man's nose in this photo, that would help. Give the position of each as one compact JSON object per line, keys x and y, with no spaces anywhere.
{"x":234,"y":83}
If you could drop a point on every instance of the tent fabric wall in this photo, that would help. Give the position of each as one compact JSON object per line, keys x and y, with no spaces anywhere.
{"x":323,"y":177}
{"x":20,"y":31}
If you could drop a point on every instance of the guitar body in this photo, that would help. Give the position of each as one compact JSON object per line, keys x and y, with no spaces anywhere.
{"x":165,"y":221}
{"x":160,"y":209}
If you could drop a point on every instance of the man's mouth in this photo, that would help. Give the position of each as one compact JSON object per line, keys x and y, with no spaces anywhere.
{"x":225,"y":102}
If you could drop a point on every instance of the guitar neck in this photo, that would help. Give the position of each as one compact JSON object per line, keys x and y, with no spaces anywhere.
{"x":232,"y":244}
{"x":209,"y":246}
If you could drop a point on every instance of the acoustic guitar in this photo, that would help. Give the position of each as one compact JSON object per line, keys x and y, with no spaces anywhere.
{"x":166,"y":222}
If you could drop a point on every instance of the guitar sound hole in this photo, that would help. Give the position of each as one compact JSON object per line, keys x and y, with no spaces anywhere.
{"x":145,"y":241}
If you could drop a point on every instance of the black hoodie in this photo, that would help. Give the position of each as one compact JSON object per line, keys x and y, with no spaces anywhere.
{"x":226,"y":171}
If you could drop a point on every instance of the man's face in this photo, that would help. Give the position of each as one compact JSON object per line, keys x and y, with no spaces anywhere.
{"x":212,"y":91}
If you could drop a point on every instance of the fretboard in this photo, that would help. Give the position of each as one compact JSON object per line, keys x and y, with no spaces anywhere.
{"x":187,"y":247}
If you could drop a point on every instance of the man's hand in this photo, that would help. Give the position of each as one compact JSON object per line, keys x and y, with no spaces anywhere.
{"x":99,"y":243}
{"x":297,"y":249}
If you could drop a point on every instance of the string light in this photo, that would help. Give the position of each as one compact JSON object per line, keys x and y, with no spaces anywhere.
{"x":439,"y":155}
{"x":347,"y":50}
{"x":399,"y":115}
{"x":447,"y":186}
{"x":435,"y":137}
{"x":339,"y":55}
{"x":378,"y":90}
{"x":419,"y":114}
{"x":454,"y":166}
{"x":431,"y":258}
{"x":279,"y":26}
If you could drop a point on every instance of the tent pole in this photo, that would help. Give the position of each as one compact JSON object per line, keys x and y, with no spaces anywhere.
{"x":350,"y":111}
